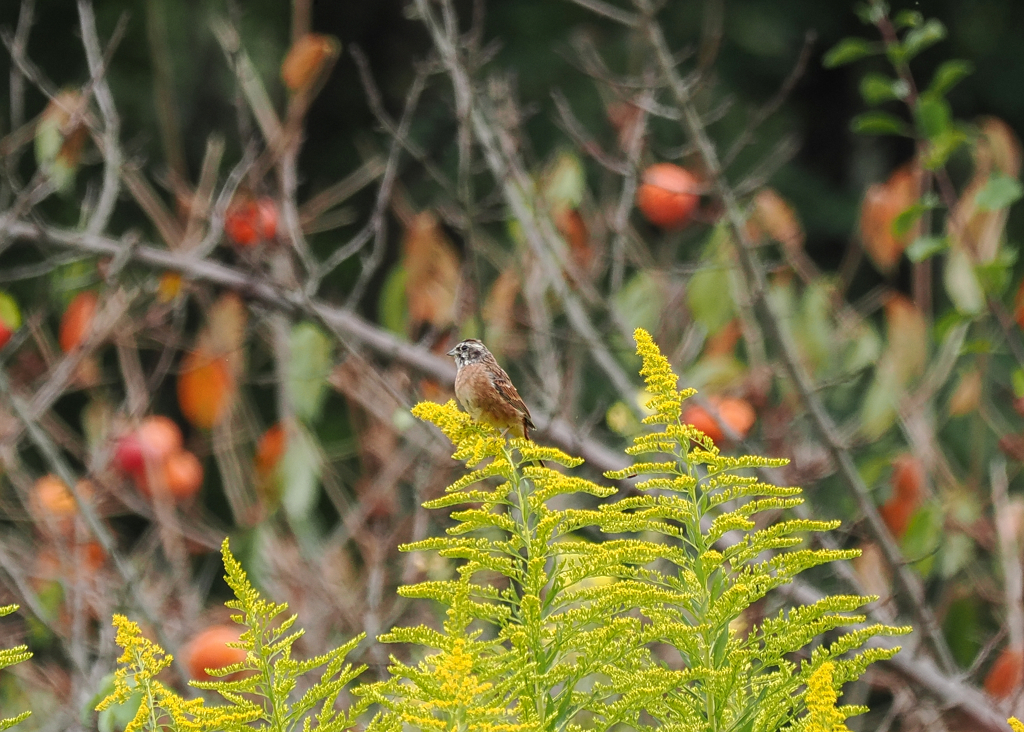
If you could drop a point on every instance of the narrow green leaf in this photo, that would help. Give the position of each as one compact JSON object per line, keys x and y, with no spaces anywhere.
{"x":879,"y":123}
{"x":908,"y":19}
{"x":922,"y":37}
{"x":925,"y":247}
{"x":879,"y":88}
{"x":999,"y":192}
{"x":948,"y":75}
{"x":849,"y":50}
{"x":299,"y":471}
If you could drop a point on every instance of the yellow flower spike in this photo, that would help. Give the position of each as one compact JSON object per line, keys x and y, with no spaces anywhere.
{"x":822,"y":715}
{"x":1016,"y":724}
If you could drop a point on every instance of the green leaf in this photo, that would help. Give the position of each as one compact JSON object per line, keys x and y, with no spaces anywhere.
{"x":956,"y":553}
{"x":962,"y":284}
{"x":933,"y":115}
{"x":392,"y":305}
{"x":10,"y":313}
{"x":709,"y":298}
{"x":849,"y":50}
{"x":879,"y":88}
{"x":907,"y":19}
{"x":922,"y":37}
{"x":948,"y":75}
{"x":871,"y":12}
{"x":308,"y":368}
{"x":925,"y":247}
{"x":995,"y":276}
{"x":879,"y":123}
{"x":299,"y":471}
{"x":943,"y":146}
{"x":905,"y":221}
{"x":999,"y":192}
{"x":1018,"y":383}
{"x":924,"y":533}
{"x":563,"y":182}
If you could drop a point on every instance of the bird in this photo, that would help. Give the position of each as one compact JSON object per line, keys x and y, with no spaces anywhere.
{"x":485,"y":391}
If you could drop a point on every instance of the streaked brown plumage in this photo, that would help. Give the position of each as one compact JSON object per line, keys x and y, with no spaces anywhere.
{"x":485,"y":391}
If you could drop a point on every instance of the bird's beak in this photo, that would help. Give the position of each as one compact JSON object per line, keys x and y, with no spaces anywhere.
{"x":451,"y":353}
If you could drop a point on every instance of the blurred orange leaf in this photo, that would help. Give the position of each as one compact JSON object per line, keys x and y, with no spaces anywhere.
{"x":206,"y":388}
{"x":976,"y":229}
{"x":883,"y":202}
{"x":432,"y":273}
{"x":773,"y":217}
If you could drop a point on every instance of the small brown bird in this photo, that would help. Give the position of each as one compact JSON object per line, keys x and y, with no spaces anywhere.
{"x":485,"y":391}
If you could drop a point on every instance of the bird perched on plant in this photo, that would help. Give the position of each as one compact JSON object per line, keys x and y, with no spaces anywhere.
{"x":485,"y":391}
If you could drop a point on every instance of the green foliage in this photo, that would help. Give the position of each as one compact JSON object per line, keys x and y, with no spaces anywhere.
{"x":554,"y":613}
{"x":9,"y":657}
{"x":257,"y":690}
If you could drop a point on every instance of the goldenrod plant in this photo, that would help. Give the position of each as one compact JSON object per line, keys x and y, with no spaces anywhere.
{"x":554,"y":613}
{"x":9,"y":657}
{"x":703,"y":504}
{"x":258,"y":691}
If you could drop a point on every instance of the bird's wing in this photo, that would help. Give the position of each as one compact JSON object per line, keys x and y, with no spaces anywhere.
{"x":508,"y":391}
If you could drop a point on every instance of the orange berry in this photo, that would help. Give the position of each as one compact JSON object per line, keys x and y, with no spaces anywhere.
{"x":270,"y":449}
{"x":77,"y":320}
{"x":668,"y":195}
{"x":53,"y":503}
{"x":306,"y":58}
{"x":249,"y":221}
{"x":183,"y":474}
{"x":1006,"y":673}
{"x":209,"y":650}
{"x":206,"y":387}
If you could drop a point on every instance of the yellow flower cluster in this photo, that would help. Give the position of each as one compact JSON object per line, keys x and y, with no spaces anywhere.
{"x":822,"y":714}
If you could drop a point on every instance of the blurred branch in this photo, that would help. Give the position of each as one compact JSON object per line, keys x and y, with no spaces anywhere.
{"x":346,"y":323}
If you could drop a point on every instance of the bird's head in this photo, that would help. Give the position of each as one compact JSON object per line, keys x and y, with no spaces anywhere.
{"x":469,"y":351}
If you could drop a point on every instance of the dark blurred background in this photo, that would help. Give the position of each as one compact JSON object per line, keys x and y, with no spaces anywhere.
{"x":761,"y":42}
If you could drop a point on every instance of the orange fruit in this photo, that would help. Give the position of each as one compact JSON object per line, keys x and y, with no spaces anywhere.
{"x":270,"y":449}
{"x":183,"y":474}
{"x":306,"y":58}
{"x":249,"y":221}
{"x":77,"y":320}
{"x":1006,"y":673}
{"x":53,"y":504}
{"x":209,"y":650}
{"x":205,"y":388}
{"x":667,"y":195}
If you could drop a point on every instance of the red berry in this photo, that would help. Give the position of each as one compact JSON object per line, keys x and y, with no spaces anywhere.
{"x":249,"y":221}
{"x":668,"y":195}
{"x":128,"y":457}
